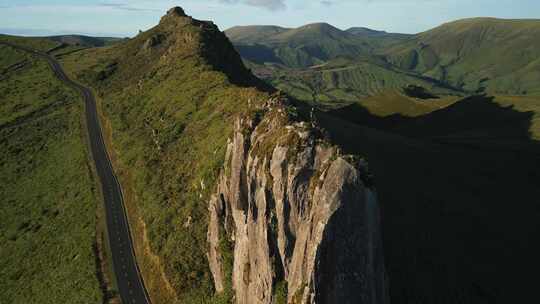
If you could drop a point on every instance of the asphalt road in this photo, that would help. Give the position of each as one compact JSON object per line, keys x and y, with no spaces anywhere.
{"x":130,"y":283}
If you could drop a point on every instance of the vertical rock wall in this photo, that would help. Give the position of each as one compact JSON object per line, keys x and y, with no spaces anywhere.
{"x":296,"y":212}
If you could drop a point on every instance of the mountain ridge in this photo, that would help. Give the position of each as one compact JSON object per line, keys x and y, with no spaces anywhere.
{"x":495,"y":55}
{"x":180,"y":103}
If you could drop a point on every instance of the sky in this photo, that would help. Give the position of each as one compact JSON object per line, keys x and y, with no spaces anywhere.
{"x":126,"y":17}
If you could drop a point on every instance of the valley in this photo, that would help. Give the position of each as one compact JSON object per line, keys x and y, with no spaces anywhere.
{"x":272,"y":165}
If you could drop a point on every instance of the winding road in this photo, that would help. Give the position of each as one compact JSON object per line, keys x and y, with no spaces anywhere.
{"x":130,"y":283}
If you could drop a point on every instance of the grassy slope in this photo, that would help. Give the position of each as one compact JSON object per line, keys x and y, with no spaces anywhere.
{"x":392,"y":102}
{"x":48,"y":195}
{"x":253,"y":34}
{"x":170,"y":110}
{"x":499,"y":55}
{"x":495,"y":55}
{"x":300,"y":47}
{"x":322,"y":64}
{"x":344,"y":81}
{"x":459,"y":189}
{"x":87,"y":41}
{"x":524,"y":104}
{"x":42,"y":44}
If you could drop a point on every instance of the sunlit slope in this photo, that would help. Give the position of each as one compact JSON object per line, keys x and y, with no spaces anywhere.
{"x":299,"y":47}
{"x":501,"y":56}
{"x":343,"y":80}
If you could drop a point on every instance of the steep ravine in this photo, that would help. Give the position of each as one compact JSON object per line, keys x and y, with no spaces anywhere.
{"x":301,"y":219}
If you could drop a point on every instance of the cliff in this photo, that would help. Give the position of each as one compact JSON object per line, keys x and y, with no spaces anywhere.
{"x":170,"y":97}
{"x":301,"y":219}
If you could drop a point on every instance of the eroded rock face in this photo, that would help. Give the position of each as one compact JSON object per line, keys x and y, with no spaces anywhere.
{"x":296,"y":211}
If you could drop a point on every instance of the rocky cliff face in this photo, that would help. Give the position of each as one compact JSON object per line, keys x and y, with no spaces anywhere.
{"x":301,"y":219}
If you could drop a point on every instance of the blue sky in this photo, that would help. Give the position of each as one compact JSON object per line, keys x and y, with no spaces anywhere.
{"x":126,"y":17}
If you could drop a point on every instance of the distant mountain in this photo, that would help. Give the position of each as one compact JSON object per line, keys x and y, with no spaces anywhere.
{"x":253,"y":34}
{"x":496,"y":55}
{"x":305,"y":46}
{"x":471,"y":55}
{"x":342,"y":81}
{"x":321,"y":63}
{"x":87,"y":41}
{"x":367,"y":32}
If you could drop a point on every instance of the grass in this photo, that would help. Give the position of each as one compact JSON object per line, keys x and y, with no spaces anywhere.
{"x":524,"y":104}
{"x":495,"y":55}
{"x":10,"y":57}
{"x":170,"y":108}
{"x":299,"y":47}
{"x":47,"y":188}
{"x":342,"y":81}
{"x":42,"y":44}
{"x":391,"y":102}
{"x":280,"y":293}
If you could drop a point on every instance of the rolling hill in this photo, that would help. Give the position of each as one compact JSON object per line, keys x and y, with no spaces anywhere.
{"x":341,"y":81}
{"x":85,"y":41}
{"x":299,"y":47}
{"x":320,"y":63}
{"x":253,"y":34}
{"x":495,"y":55}
{"x":490,"y":55}
{"x":367,"y":32}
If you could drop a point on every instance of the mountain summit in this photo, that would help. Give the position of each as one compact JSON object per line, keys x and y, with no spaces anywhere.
{"x":241,"y":197}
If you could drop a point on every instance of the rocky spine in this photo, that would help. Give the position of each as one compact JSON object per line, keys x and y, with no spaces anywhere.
{"x":297,"y":213}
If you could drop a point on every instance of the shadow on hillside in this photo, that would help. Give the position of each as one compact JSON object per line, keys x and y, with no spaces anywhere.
{"x":460,"y":194}
{"x":257,"y":53}
{"x":475,"y":120}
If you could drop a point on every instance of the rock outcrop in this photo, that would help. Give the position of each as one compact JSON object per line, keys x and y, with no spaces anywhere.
{"x":295,"y":212}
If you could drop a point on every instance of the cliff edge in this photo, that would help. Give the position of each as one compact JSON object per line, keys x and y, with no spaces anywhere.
{"x":301,"y":220}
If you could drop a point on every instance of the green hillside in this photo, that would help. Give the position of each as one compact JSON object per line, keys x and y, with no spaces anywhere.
{"x":367,"y":32}
{"x":41,"y":43}
{"x":86,"y":41}
{"x":472,"y":55}
{"x":341,"y":81}
{"x":301,"y":47}
{"x":378,"y":39}
{"x":497,"y":55}
{"x":253,"y":34}
{"x":324,"y":65}
{"x":168,"y":97}
{"x":49,"y":197}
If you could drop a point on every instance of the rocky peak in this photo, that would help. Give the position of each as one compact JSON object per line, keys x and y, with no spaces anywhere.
{"x":302,"y":221}
{"x":181,"y":36}
{"x":176,"y":12}
{"x":175,"y":15}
